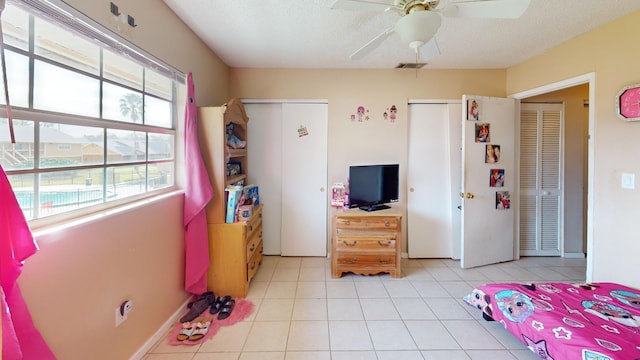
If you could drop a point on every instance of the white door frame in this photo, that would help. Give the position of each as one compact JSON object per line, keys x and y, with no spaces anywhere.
{"x":588,"y":78}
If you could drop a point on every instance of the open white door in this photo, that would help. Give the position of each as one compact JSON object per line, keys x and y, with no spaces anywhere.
{"x":488,"y":180}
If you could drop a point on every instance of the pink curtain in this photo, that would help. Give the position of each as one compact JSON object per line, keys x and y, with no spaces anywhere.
{"x":198,"y":192}
{"x":20,"y":338}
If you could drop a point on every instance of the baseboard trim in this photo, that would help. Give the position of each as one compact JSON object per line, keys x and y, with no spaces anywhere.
{"x":574,"y":255}
{"x":162,"y":331}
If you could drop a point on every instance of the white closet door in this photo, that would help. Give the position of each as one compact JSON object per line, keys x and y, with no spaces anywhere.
{"x":540,"y":179}
{"x":265,"y":168}
{"x":429,"y":214}
{"x":304,"y":179}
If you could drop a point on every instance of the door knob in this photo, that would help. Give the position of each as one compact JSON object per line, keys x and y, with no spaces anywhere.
{"x":322,"y":189}
{"x":467,"y":195}
{"x":410,"y":189}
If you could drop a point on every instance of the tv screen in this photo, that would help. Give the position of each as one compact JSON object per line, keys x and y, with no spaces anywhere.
{"x":373,"y":184}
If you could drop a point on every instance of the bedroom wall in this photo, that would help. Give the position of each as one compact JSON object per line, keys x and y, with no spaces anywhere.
{"x":609,"y":52}
{"x":81,"y":273}
{"x":373,"y":141}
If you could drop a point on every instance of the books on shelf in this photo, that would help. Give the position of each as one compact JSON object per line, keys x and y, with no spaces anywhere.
{"x":251,"y":195}
{"x":233,"y":201}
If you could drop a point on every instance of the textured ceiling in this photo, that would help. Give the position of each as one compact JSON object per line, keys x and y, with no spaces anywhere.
{"x":308,"y":34}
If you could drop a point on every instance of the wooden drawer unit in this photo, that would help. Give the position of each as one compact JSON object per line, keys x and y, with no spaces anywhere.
{"x":366,"y":243}
{"x":235,"y":251}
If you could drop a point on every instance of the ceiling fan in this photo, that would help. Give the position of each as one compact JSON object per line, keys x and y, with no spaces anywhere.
{"x":420,"y":19}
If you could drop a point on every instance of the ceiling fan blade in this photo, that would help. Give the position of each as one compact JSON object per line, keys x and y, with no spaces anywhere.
{"x":430,"y":50}
{"x":374,"y":43}
{"x":362,"y":5}
{"x":496,"y":9}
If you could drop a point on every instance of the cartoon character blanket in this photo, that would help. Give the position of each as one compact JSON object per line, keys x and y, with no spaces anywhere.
{"x":566,"y":321}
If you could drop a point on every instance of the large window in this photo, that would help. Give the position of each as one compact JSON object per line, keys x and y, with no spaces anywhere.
{"x":93,"y":123}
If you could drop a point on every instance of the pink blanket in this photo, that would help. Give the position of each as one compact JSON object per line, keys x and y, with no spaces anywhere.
{"x":20,"y":338}
{"x":198,"y":192}
{"x":566,"y":321}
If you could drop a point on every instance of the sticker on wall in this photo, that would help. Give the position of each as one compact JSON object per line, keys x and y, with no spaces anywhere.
{"x":473,"y":110}
{"x":390,"y":114}
{"x":482,"y":132}
{"x":361,"y":114}
{"x":303,"y":131}
{"x":503,"y":200}
{"x":492,"y":154}
{"x":496,"y":177}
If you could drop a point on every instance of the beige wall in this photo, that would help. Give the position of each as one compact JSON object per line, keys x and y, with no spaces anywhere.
{"x":375,"y":141}
{"x":74,"y":283}
{"x":609,"y":51}
{"x":576,"y":122}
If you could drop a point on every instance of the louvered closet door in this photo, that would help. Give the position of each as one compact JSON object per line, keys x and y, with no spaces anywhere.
{"x":541,"y":179}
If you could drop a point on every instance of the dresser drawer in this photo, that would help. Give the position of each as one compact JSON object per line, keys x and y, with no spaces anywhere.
{"x":254,"y":223}
{"x":253,"y":242}
{"x":369,"y":223}
{"x":254,"y":262}
{"x":357,"y":261}
{"x":369,"y":243}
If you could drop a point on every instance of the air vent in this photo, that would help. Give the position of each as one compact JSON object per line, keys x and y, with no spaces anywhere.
{"x":410,"y":65}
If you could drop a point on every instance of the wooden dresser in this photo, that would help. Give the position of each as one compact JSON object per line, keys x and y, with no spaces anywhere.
{"x":366,"y":242}
{"x":236,"y":253}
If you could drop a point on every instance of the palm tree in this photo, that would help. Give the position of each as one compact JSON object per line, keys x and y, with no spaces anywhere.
{"x":131,"y":106}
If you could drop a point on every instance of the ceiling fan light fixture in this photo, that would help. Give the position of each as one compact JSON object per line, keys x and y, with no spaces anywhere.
{"x":417,"y":28}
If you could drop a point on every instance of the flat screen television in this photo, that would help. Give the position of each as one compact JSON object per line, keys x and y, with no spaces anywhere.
{"x":372,"y":186}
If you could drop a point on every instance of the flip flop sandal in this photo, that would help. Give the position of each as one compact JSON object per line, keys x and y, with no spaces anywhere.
{"x":187,"y":329}
{"x":226,"y":309}
{"x":201,"y":329}
{"x":209,"y":295}
{"x":198,"y":307}
{"x":217,"y":305}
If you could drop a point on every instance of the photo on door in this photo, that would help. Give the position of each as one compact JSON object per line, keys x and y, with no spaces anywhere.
{"x":503,"y":200}
{"x":492,"y":154}
{"x":473,"y":110}
{"x":482,"y":133}
{"x":496,"y":178}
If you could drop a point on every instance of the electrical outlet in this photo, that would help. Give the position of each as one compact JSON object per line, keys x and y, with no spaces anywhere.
{"x":122,"y":311}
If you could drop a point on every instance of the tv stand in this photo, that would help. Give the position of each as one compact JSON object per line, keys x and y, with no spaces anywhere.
{"x":374,"y":207}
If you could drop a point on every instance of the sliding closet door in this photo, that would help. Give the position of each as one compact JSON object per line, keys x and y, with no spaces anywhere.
{"x":265,"y":167}
{"x":304,"y":179}
{"x":288,"y":161}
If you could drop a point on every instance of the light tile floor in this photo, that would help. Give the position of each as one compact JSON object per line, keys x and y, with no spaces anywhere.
{"x":301,"y":312}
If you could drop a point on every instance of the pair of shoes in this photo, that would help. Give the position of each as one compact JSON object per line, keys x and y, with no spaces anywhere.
{"x":223,"y":307}
{"x":194,"y":330}
{"x":198,"y":306}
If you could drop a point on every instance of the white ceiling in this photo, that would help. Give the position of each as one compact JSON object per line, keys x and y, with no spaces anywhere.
{"x":308,"y":34}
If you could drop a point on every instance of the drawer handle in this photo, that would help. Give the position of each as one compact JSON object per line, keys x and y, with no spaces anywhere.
{"x":250,"y":228}
{"x":350,"y":244}
{"x":347,"y":222}
{"x":253,"y":266}
{"x":253,"y":246}
{"x":383,"y":244}
{"x":388,"y":261}
{"x":351,"y":261}
{"x":387,"y":224}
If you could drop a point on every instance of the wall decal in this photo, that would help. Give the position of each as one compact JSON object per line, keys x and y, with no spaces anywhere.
{"x":390,"y":114}
{"x":362,"y":114}
{"x":303,"y":131}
